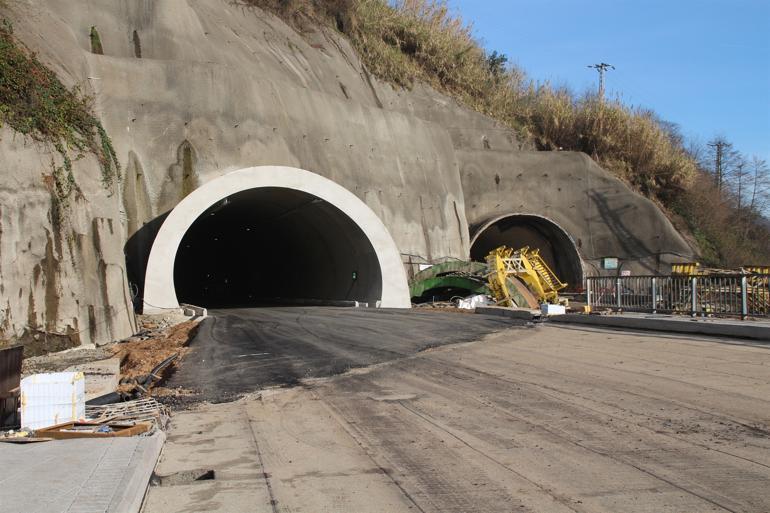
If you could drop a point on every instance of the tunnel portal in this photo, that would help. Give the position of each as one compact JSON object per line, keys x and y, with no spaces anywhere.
{"x":518,"y":230}
{"x":274,"y":245}
{"x":268,"y":235}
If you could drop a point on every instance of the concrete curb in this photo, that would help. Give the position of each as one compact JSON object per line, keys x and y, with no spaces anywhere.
{"x":721,"y":328}
{"x":512,"y":313}
{"x":134,"y":487}
{"x":341,"y":303}
{"x":192,"y":310}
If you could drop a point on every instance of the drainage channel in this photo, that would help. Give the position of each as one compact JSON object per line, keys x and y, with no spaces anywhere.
{"x":182,"y":478}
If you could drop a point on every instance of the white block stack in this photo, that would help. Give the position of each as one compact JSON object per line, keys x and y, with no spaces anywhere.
{"x":50,"y":399}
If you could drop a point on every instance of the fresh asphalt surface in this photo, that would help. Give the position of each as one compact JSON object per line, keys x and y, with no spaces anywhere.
{"x":237,"y":351}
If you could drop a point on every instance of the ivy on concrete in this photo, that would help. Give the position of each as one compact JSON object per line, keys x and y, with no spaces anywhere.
{"x":34,"y":102}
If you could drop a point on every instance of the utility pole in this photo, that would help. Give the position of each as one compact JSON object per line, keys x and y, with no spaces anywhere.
{"x":602,"y":67}
{"x":719,"y":150}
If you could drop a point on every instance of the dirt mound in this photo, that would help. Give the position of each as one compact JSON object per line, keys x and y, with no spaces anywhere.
{"x":139,"y":357}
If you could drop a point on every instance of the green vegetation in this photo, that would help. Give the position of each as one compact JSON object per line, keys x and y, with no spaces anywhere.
{"x":35,"y":103}
{"x":96,"y":42}
{"x":419,"y":40}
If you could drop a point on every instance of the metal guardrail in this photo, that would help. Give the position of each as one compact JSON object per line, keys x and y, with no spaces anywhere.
{"x":734,"y":295}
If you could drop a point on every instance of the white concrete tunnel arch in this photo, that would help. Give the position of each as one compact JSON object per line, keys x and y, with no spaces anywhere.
{"x":159,"y":288}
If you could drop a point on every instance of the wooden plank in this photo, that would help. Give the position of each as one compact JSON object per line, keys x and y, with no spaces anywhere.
{"x":59,"y":432}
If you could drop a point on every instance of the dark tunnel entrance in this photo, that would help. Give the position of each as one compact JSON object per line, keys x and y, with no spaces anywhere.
{"x":272,"y":245}
{"x":515,"y":231}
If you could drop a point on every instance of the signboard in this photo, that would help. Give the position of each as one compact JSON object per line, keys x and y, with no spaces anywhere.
{"x":625,"y":272}
{"x":609,"y":263}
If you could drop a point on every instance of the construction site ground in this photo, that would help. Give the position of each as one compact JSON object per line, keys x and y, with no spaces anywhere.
{"x":546,"y":418}
{"x":242,"y":350}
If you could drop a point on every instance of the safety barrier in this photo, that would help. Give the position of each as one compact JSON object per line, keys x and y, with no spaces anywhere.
{"x":734,"y":295}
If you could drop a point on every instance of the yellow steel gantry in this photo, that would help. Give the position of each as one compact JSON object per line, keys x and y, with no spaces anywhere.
{"x":527,"y":265}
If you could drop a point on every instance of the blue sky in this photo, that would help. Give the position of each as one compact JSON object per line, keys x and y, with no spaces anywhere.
{"x":704,"y":65}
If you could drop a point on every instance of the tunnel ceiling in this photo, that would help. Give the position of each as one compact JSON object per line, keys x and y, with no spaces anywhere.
{"x":271,"y":246}
{"x":516,"y":231}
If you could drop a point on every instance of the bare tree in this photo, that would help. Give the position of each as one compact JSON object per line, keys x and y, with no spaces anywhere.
{"x":739,"y":176}
{"x":760,"y":187}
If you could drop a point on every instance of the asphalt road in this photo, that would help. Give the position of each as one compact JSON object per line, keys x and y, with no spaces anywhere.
{"x":237,"y":351}
{"x":549,"y":419}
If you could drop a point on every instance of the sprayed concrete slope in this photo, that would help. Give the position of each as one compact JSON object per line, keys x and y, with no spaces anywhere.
{"x":191,"y":91}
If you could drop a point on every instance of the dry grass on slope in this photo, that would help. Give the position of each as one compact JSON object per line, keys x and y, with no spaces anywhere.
{"x":420,"y":40}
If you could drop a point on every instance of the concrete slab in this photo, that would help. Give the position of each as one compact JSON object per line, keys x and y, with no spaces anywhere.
{"x":512,"y":313}
{"x":83,"y":476}
{"x":102,"y":376}
{"x":756,"y":330}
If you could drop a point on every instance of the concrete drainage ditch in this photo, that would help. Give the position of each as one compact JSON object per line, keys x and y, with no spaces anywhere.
{"x":182,"y":478}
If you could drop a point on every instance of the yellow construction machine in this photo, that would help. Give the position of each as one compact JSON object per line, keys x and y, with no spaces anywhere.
{"x":757,"y":283}
{"x":527,"y":265}
{"x":695,"y":269}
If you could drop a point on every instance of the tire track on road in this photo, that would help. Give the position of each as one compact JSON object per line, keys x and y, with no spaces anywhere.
{"x":565,"y":437}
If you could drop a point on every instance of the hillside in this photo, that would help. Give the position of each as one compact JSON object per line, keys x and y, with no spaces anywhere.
{"x":414,"y":41}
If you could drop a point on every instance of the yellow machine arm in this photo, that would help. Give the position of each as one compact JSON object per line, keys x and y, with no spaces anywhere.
{"x":526,"y":265}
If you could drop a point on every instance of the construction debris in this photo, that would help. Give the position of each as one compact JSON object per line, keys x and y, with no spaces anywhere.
{"x":442,"y":306}
{"x":86,"y":429}
{"x":141,"y":410}
{"x":142,"y":361}
{"x":131,"y":418}
{"x":141,"y":357}
{"x":10,"y":380}
{"x":64,"y":360}
{"x":472,"y":302}
{"x":519,"y":278}
{"x":23,"y":440}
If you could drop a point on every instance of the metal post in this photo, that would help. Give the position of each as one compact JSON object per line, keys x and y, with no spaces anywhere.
{"x":617,"y":293}
{"x":744,"y":297}
{"x":654,"y":295}
{"x":694,"y":291}
{"x":588,"y":293}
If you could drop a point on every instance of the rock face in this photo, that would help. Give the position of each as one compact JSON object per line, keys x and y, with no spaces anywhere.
{"x":191,"y":90}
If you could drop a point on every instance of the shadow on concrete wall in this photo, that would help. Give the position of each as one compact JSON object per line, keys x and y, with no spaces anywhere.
{"x":137,"y":252}
{"x":616,"y":219}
